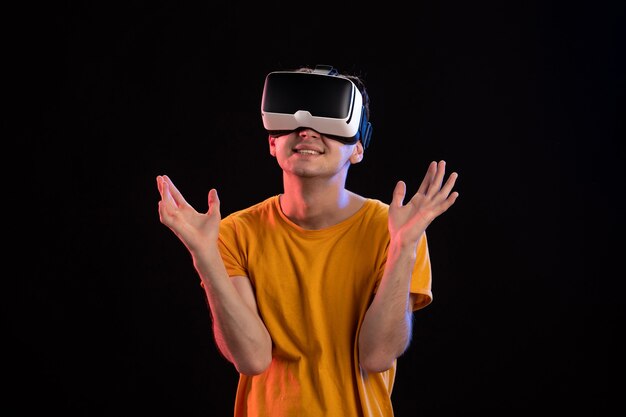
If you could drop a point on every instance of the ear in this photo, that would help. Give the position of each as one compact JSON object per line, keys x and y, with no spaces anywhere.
{"x":357,"y":153}
{"x":272,"y":142}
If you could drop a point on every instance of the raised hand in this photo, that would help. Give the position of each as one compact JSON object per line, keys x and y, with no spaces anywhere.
{"x":194,"y":229}
{"x":408,"y":222}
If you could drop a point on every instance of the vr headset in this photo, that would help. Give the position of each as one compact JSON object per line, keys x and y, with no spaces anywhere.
{"x":320,"y":100}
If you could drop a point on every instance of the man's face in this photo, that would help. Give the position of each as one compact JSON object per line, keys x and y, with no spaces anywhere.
{"x":307,"y":153}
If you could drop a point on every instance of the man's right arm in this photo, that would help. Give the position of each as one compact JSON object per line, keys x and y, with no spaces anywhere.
{"x":239,"y":332}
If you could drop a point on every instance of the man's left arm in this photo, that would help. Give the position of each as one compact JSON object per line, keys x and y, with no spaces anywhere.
{"x":387,"y":326}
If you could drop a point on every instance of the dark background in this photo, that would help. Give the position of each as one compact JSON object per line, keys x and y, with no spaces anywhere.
{"x":103,"y":310}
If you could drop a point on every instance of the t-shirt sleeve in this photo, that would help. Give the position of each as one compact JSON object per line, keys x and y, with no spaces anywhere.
{"x":231,"y":249}
{"x":421,"y":283}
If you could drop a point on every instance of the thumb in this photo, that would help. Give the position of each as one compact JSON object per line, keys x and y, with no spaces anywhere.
{"x":214,"y":202}
{"x":399,"y":192}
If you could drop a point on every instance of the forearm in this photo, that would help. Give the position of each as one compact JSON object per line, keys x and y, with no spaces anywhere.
{"x":239,"y":332}
{"x":387,"y":326}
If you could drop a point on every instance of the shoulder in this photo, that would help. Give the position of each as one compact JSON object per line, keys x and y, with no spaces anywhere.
{"x":252,"y":216}
{"x":258,"y":209}
{"x":373,"y":215}
{"x":376,"y":208}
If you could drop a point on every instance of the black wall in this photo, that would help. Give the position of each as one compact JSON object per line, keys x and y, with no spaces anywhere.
{"x":104,"y":312}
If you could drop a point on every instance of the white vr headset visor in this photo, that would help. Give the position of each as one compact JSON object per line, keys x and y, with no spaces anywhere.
{"x":329,"y":104}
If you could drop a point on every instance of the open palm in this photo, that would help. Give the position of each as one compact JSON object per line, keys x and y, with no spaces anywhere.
{"x":192,"y":228}
{"x":408,"y":221}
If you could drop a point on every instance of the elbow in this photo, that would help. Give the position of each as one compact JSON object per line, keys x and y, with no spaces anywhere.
{"x":250,"y":370}
{"x":375,"y":363}
{"x":254,"y":366}
{"x":376,"y":357}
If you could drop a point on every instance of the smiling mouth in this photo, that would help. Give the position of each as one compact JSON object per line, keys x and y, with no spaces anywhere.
{"x":307,"y":152}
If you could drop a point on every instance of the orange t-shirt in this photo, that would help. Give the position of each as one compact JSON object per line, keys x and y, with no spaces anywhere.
{"x":313,"y":288}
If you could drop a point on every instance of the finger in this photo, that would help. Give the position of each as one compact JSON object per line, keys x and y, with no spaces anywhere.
{"x":447,"y":188}
{"x":399,"y":192}
{"x":449,"y":201}
{"x":166,"y":204}
{"x":428,"y":178}
{"x":166,"y":195}
{"x":214,"y":202}
{"x":438,"y":178}
{"x":177,"y":196}
{"x":159,"y":181}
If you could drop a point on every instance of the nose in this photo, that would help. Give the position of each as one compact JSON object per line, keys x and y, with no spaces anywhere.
{"x":308,"y":132}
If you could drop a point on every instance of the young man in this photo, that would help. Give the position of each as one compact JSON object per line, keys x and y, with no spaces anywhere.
{"x":312,"y":291}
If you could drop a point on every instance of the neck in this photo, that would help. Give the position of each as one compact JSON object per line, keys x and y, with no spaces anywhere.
{"x":312,"y":204}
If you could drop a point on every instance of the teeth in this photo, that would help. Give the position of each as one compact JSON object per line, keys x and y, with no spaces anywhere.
{"x":307,"y":152}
